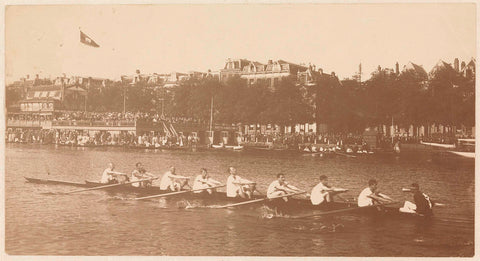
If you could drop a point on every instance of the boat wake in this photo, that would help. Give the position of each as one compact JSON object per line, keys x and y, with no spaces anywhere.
{"x":321,"y":228}
{"x":194,"y":206}
{"x":185,"y":204}
{"x":115,"y":198}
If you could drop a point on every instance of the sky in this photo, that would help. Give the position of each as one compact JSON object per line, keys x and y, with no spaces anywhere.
{"x":44,"y":39}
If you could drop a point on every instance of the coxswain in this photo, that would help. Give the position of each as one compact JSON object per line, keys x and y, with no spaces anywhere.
{"x":323,"y":192}
{"x":370,"y":195}
{"x":203,"y":181}
{"x":422,"y":206}
{"x":237,"y":186}
{"x":110,"y":176}
{"x":140,"y":173}
{"x":172,"y":181}
{"x":280,"y":187}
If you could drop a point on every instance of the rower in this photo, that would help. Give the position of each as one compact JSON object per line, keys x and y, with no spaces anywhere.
{"x":370,"y":195}
{"x":109,"y":176}
{"x":423,"y":205}
{"x":323,"y":193}
{"x":172,"y":181}
{"x":280,"y":187}
{"x":204,"y":181}
{"x":238,"y":187}
{"x":140,"y":173}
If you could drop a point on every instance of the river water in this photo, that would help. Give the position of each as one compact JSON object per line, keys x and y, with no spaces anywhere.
{"x":41,"y":221}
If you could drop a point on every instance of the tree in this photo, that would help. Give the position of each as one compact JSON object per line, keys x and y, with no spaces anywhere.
{"x":382,"y":98}
{"x":12,"y":96}
{"x":288,"y":104}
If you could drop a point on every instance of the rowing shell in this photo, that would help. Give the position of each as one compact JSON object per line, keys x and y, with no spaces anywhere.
{"x":56,"y":182}
{"x":209,"y":199}
{"x":294,"y":205}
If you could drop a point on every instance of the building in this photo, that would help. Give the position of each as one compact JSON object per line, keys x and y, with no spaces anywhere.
{"x":417,"y":70}
{"x":255,"y":72}
{"x":81,"y":82}
{"x":311,"y":75}
{"x":26,"y":83}
{"x":232,"y":68}
{"x":166,"y":80}
{"x":468,"y":70}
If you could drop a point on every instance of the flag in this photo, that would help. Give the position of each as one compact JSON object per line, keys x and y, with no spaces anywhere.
{"x":85,"y":39}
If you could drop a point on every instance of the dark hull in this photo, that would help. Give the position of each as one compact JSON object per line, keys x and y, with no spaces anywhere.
{"x":293,"y":206}
{"x":127,"y":188}
{"x":214,"y":198}
{"x":56,"y":182}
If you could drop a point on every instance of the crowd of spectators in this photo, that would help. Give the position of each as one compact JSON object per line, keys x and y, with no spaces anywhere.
{"x":98,"y":138}
{"x":295,"y":139}
{"x":106,"y":117}
{"x":299,"y":141}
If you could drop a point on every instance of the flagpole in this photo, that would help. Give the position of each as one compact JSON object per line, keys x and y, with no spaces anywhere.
{"x":211,"y":114}
{"x":124,"y":94}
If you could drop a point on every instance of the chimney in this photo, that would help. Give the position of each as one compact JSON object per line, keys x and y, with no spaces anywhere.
{"x":455,"y":65}
{"x":333,"y":74}
{"x":137,"y":71}
{"x":397,"y":68}
{"x":36,"y":75}
{"x":28,"y":76}
{"x":463,"y":65}
{"x":314,"y":67}
{"x":320,"y":70}
{"x":270,"y":61}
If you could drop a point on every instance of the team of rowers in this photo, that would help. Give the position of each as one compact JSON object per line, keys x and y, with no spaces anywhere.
{"x":236,"y":186}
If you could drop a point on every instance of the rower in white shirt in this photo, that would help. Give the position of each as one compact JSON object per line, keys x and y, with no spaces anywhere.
{"x":238,"y":187}
{"x":109,"y":175}
{"x":139,"y":173}
{"x":323,"y":192}
{"x":172,"y":181}
{"x":370,"y":195}
{"x":280,"y":187}
{"x":204,"y":181}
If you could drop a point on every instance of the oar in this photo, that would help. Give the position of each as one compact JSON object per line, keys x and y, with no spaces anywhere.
{"x":109,"y":186}
{"x":385,"y":196}
{"x":342,"y":198}
{"x":345,"y":210}
{"x":177,"y":192}
{"x":260,"y":200}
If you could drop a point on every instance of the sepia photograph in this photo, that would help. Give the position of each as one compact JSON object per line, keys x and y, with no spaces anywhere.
{"x":225,"y":129}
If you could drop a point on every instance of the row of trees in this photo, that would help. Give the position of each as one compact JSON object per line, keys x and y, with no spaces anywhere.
{"x":446,"y":98}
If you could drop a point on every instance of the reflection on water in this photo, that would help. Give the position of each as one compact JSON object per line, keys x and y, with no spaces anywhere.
{"x":41,"y":220}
